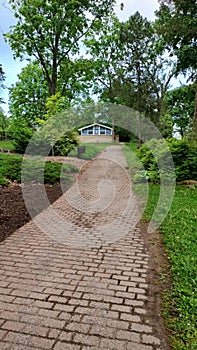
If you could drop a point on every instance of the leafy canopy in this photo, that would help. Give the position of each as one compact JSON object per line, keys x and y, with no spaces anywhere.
{"x":51,"y":30}
{"x":177,"y":23}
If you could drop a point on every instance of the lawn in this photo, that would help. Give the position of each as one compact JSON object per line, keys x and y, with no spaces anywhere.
{"x":7,"y":145}
{"x":179,"y":231}
{"x":179,"y":234}
{"x":91,"y":150}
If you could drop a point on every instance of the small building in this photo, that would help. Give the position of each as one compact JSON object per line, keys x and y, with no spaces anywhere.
{"x":95,"y":133}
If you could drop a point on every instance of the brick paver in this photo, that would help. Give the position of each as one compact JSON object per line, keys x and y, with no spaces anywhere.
{"x":81,"y":284}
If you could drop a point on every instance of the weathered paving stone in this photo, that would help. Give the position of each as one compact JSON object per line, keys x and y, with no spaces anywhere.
{"x":86,"y":288}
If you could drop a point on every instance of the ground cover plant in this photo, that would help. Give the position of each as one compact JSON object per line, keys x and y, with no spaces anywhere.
{"x":10,"y":170}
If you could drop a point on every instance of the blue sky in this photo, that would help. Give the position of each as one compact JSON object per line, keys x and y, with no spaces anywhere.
{"x":13,"y":67}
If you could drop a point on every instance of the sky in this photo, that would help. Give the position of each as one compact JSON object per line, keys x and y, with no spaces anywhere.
{"x":13,"y":67}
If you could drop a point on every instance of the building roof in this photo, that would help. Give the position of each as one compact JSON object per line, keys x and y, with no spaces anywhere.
{"x":88,"y":126}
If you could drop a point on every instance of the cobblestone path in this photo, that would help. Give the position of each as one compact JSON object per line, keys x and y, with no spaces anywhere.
{"x":82,"y":283}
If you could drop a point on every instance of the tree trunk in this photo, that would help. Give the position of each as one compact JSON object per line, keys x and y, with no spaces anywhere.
{"x":139,"y":103}
{"x":194,"y":127}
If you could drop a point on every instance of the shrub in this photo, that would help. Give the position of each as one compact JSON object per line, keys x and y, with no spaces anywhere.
{"x":33,"y":170}
{"x":41,"y":144}
{"x":21,"y":137}
{"x":184,"y":157}
{"x":66,"y":144}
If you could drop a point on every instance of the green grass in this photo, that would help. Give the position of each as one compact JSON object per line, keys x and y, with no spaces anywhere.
{"x":133,"y":162}
{"x":135,"y":165}
{"x":91,"y":150}
{"x":179,"y":231}
{"x":7,"y":145}
{"x":34,"y":170}
{"x":179,"y":234}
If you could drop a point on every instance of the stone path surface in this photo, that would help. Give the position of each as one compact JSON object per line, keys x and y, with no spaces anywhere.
{"x":76,"y":276}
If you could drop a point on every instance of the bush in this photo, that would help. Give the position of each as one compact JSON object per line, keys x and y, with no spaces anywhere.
{"x":41,"y":144}
{"x":68,"y":142}
{"x":33,"y":170}
{"x":184,"y":157}
{"x":21,"y":137}
{"x":10,"y":167}
{"x":140,"y":176}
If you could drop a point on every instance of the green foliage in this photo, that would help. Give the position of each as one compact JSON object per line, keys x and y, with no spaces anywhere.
{"x":2,"y":78}
{"x":184,"y":157}
{"x":135,"y":165}
{"x":46,"y":145}
{"x":180,"y":105}
{"x":140,"y":176}
{"x":3,"y":124}
{"x":179,"y":234}
{"x":27,"y":98}
{"x":3,"y":182}
{"x":124,"y":135}
{"x":104,"y":45}
{"x":10,"y":168}
{"x":147,"y":74}
{"x":42,"y":144}
{"x":51,"y":31}
{"x":21,"y":135}
{"x":7,"y":145}
{"x":34,"y":170}
{"x":177,"y":25}
{"x":66,"y":143}
{"x":128,"y":69}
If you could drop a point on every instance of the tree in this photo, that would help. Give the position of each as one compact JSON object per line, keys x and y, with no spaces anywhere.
{"x":3,"y":124}
{"x":126,"y":67}
{"x":180,"y":105}
{"x":51,"y":31}
{"x":2,"y":78}
{"x":177,"y":23}
{"x":148,"y":73}
{"x":27,"y":98}
{"x":105,"y":49}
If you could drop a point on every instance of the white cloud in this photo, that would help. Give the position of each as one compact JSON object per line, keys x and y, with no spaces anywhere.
{"x":145,"y":7}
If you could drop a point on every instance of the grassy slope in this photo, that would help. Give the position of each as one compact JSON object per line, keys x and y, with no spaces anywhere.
{"x":91,"y":150}
{"x":179,"y":232}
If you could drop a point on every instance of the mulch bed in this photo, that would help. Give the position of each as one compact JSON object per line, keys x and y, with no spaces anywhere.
{"x":13,"y":211}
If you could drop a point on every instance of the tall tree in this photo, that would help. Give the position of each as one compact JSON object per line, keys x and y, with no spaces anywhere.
{"x":180,"y":105}
{"x":27,"y":98}
{"x":51,"y":31}
{"x":105,"y":49}
{"x":126,"y":67}
{"x":2,"y":79}
{"x":3,"y":124}
{"x":177,"y":23}
{"x":148,"y":73}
